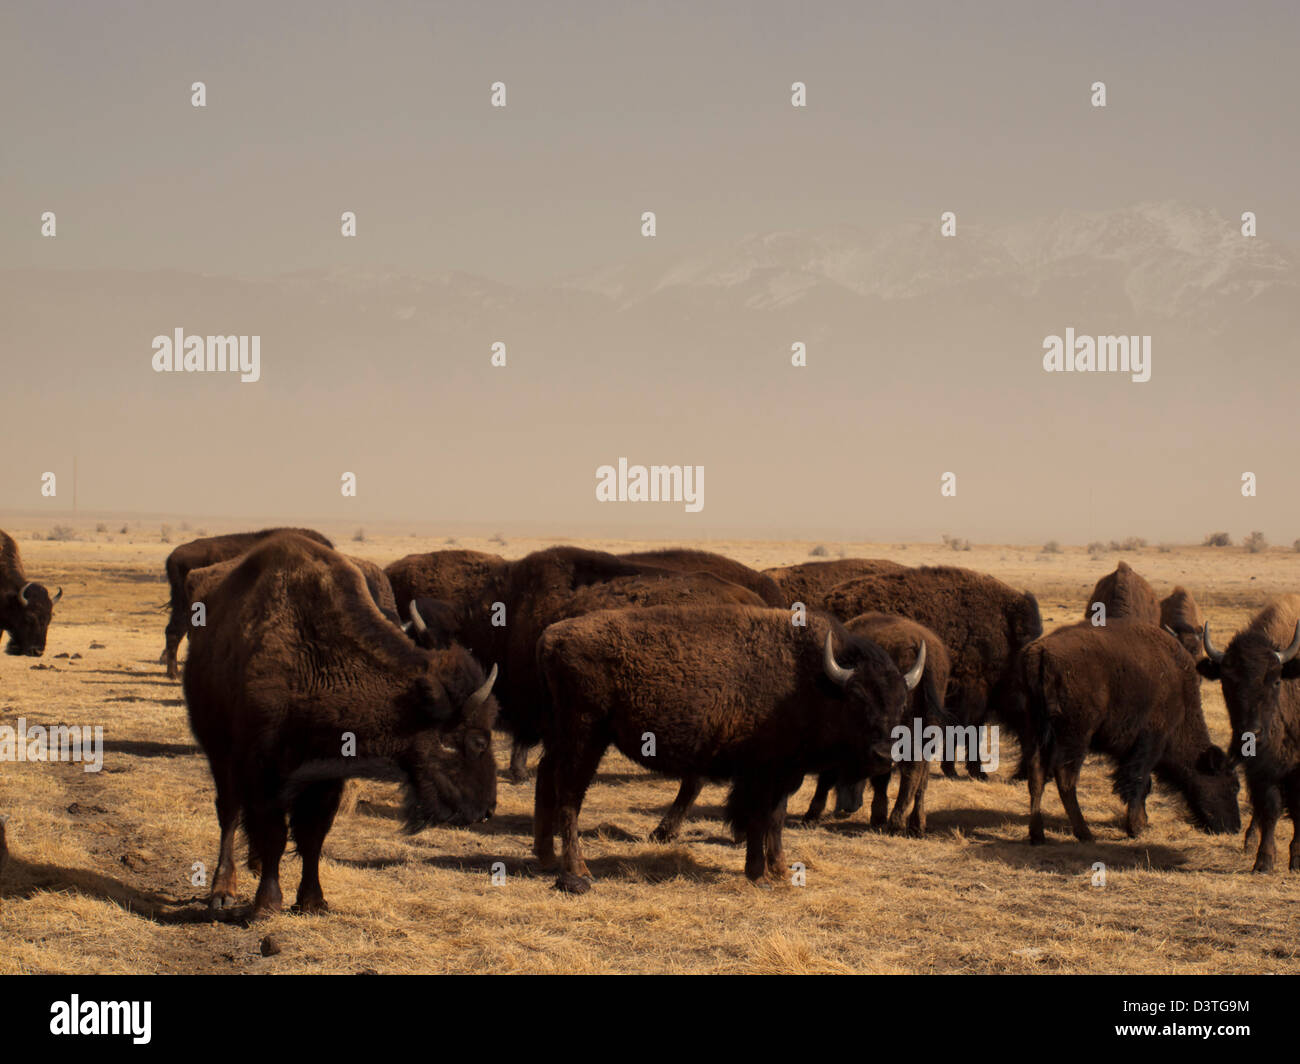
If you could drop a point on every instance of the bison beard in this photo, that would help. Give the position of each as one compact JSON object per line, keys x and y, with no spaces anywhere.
{"x":727,"y":692}
{"x":295,"y":655}
{"x":198,"y":554}
{"x":1260,"y":673}
{"x":1130,"y":692}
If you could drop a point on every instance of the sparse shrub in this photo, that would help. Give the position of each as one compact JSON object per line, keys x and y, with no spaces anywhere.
{"x":101,"y":527}
{"x":1165,"y":548}
{"x":819,"y":551}
{"x":1051,"y":547}
{"x":123,"y":530}
{"x":1096,"y":547}
{"x":450,"y":541}
{"x":955,"y":542}
{"x":1296,"y":545}
{"x":185,"y":526}
{"x":1218,"y":539}
{"x":359,"y":536}
{"x":62,"y":533}
{"x":166,"y":533}
{"x":1255,"y":542}
{"x":1134,"y":543}
{"x":498,"y":539}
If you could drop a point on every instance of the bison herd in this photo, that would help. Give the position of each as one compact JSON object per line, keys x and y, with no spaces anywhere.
{"x":308,"y":667}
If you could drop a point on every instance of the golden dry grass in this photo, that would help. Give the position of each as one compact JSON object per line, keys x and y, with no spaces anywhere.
{"x":99,"y":877}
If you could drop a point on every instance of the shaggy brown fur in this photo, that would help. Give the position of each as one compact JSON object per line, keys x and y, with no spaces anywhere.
{"x":1126,"y":596}
{"x":901,"y":639}
{"x":25,"y":607}
{"x":455,"y":576}
{"x":295,"y":657}
{"x":197,"y":554}
{"x":810,"y":581}
{"x":682,"y":560}
{"x":982,"y":622}
{"x":727,"y":692}
{"x":1263,"y":699}
{"x":1130,"y":692}
{"x":1180,"y":614}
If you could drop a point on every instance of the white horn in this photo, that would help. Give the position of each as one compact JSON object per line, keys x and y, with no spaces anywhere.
{"x":22,"y":594}
{"x":834,"y":670}
{"x":913,"y":675}
{"x":481,"y":695}
{"x":417,"y":620}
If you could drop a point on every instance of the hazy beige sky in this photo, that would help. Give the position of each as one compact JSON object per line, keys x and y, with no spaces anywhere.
{"x":924,"y":354}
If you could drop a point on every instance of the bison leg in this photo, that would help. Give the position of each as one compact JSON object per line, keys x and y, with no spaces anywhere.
{"x":544,"y":810}
{"x":1267,"y":801}
{"x":1251,"y":839}
{"x":573,"y":775}
{"x":310,"y":820}
{"x":671,"y":824}
{"x":223,"y":886}
{"x":880,"y":799}
{"x":267,"y":834}
{"x":950,"y":769}
{"x":169,"y":654}
{"x":518,"y":761}
{"x":911,"y":781}
{"x":1067,"y":780}
{"x":1037,"y":779}
{"x":916,"y":822}
{"x":773,"y":851}
{"x":817,"y":806}
{"x":1293,"y":807}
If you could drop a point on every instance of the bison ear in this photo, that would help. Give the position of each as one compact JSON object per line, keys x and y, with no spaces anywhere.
{"x":1208,"y":668}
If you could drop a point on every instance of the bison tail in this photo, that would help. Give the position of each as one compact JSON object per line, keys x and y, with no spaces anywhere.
{"x":1040,"y":706}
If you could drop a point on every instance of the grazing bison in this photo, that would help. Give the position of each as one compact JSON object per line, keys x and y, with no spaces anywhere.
{"x":514,"y":607}
{"x":455,"y":576}
{"x":197,"y":554}
{"x":724,"y":692}
{"x":902,"y":640}
{"x":1260,"y":673}
{"x":1130,"y":692}
{"x":810,"y":581}
{"x":4,"y":848}
{"x":1126,"y":596}
{"x":1180,"y":615}
{"x":25,"y":606}
{"x":682,"y":560}
{"x":982,"y":622}
{"x":294,"y":659}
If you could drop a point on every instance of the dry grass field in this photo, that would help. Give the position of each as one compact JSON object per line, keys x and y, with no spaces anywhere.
{"x":99,"y":876}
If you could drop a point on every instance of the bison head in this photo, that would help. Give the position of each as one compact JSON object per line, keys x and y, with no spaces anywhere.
{"x":27,"y":619}
{"x":450,"y":769}
{"x":1212,"y":793}
{"x":1251,"y":671}
{"x":878,"y":694}
{"x":434,"y":623}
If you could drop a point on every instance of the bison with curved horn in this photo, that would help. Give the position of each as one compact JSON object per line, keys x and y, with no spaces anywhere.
{"x":295,"y":658}
{"x":25,"y":606}
{"x":1260,"y":673}
{"x":724,"y":692}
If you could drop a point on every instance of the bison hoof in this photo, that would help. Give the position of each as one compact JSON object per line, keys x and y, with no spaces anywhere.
{"x":572,"y":884}
{"x":1037,"y":839}
{"x":762,"y":883}
{"x":1295,"y":863}
{"x":1263,"y":864}
{"x":222,"y":902}
{"x":663,"y":834}
{"x":312,"y":906}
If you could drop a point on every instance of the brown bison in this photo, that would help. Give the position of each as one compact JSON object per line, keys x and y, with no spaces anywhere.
{"x":454,"y":576}
{"x":982,"y":622}
{"x":1126,"y":596}
{"x":436,"y":623}
{"x":25,"y":606}
{"x":723,"y":692}
{"x":1180,"y":615}
{"x":502,"y":621}
{"x":1130,"y":692}
{"x":682,"y":560}
{"x":197,"y":554}
{"x":902,"y":640}
{"x":295,"y":666}
{"x":810,"y":581}
{"x":1260,"y":673}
